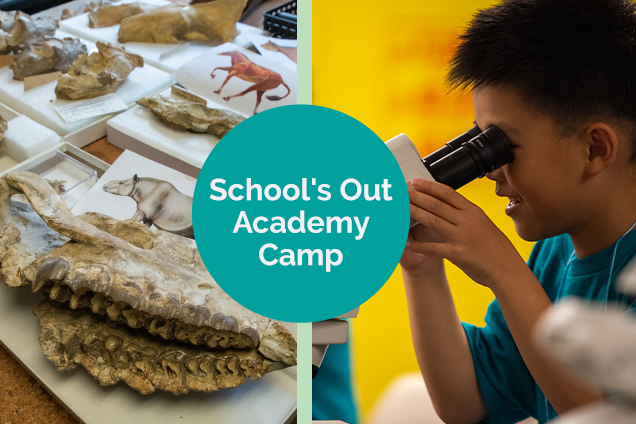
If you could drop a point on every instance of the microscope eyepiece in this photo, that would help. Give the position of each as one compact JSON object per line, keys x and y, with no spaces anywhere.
{"x":452,"y":145}
{"x":469,"y":156}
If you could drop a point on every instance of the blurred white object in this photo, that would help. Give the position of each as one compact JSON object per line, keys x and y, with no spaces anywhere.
{"x":626,"y":280}
{"x":602,"y":412}
{"x":406,"y":401}
{"x":598,"y":345}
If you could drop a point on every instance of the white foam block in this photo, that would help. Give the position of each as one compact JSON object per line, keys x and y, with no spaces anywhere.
{"x":26,"y":138}
{"x":152,"y":52}
{"x":139,"y":123}
{"x":7,"y":162}
{"x":7,"y":113}
{"x":39,"y":103}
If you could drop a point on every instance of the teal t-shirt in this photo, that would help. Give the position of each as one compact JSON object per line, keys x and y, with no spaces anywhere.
{"x":507,"y":386}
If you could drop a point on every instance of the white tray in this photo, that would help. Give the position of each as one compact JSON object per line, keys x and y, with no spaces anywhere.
{"x":86,"y":158}
{"x":271,"y":400}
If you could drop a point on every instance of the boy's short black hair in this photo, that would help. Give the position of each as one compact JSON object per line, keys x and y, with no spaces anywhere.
{"x":573,"y":59}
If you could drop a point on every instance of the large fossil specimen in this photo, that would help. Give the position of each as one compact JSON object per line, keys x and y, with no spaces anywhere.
{"x":3,"y":128}
{"x":145,"y":278}
{"x":214,"y":21}
{"x":107,"y":16}
{"x":97,"y":74}
{"x":17,"y":29}
{"x":112,"y":352}
{"x":191,"y":116}
{"x":52,"y":55}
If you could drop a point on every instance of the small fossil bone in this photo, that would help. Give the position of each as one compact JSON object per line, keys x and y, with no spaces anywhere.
{"x":3,"y":127}
{"x":111,"y":352}
{"x":68,"y":13}
{"x":17,"y":29}
{"x":175,"y":23}
{"x":52,"y":55}
{"x":97,"y":74}
{"x":108,"y":16}
{"x":58,"y":185}
{"x":190,"y":116}
{"x":143,"y":277}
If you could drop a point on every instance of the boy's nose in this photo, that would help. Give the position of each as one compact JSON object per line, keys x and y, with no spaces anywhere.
{"x":496,"y":175}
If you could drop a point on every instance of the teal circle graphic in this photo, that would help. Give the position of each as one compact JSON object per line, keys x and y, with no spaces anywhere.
{"x":331,"y":222}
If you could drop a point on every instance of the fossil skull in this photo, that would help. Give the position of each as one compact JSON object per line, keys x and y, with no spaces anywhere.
{"x":134,"y":275}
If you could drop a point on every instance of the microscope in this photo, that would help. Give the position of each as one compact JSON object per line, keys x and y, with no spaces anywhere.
{"x":469,"y":156}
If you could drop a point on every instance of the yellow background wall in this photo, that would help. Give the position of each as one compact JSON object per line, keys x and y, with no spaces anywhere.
{"x":384,"y":64}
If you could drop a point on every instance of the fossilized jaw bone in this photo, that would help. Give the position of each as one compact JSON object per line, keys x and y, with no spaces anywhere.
{"x":3,"y":127}
{"x":112,"y":353}
{"x":214,"y":21}
{"x":108,"y":16}
{"x":17,"y":29}
{"x":140,"y":276}
{"x":53,"y":55}
{"x":190,"y":116}
{"x":98,"y":73}
{"x":162,"y":287}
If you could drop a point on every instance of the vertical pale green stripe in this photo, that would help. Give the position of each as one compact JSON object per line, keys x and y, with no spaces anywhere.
{"x":304,"y":51}
{"x":304,"y":373}
{"x":304,"y":97}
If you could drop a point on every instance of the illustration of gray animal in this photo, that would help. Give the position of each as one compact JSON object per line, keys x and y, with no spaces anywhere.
{"x":158,"y":203}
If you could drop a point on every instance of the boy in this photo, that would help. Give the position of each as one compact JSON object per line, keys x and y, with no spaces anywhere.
{"x":558,"y":77}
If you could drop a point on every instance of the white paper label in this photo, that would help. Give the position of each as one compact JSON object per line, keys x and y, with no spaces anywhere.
{"x":91,"y":107}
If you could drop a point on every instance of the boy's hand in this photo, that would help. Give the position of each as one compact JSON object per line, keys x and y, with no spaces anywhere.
{"x":412,"y":259}
{"x":467,"y":237}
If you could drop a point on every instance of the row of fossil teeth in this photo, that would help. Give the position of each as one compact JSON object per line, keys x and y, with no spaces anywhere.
{"x":146,"y":364}
{"x":168,"y":329}
{"x":172,"y":362}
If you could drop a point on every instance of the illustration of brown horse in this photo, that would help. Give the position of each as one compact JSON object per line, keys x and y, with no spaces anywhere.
{"x":264,"y":79}
{"x":290,"y":52}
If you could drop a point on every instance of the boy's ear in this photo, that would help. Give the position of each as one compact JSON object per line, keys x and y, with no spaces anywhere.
{"x":603,"y":147}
